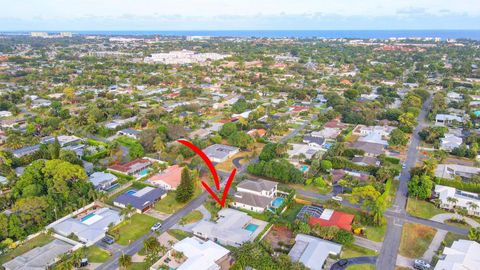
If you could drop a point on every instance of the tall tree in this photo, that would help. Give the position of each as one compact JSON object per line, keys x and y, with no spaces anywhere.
{"x":186,"y":188}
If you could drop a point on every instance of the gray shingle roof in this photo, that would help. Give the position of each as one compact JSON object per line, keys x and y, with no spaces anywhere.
{"x":142,"y":198}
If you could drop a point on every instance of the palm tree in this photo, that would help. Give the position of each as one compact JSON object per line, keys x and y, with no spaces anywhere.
{"x":124,"y":261}
{"x":454,"y":202}
{"x":127,"y":211}
{"x":151,"y":245}
{"x":472,"y":206}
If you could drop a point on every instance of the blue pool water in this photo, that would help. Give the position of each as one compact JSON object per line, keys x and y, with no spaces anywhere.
{"x":131,"y":191}
{"x":304,"y":168}
{"x":144,"y":172}
{"x":87,"y":217}
{"x":251,"y":227}
{"x":277,"y":202}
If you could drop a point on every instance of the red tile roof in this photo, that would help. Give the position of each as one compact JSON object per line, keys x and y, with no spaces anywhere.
{"x":126,"y":167}
{"x":338,"y":219}
{"x":171,"y":176}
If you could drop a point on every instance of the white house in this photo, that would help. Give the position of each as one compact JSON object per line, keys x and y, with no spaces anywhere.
{"x":255,"y":196}
{"x":462,"y":255}
{"x":200,"y":255}
{"x":449,"y":171}
{"x":313,"y":251}
{"x":465,"y":200}
{"x":445,"y":119}
{"x":450,"y":142}
{"x":5,"y":114}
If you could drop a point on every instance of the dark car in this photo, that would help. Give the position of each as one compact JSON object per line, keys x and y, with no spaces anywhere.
{"x":108,"y":240}
{"x":342,"y":262}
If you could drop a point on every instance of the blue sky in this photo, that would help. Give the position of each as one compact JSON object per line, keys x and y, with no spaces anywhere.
{"x":238,"y":14}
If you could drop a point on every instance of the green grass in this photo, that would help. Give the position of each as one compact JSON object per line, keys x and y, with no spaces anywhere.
{"x":391,"y":193}
{"x":356,"y":251}
{"x":179,"y":234}
{"x":38,"y":241}
{"x":452,"y":237}
{"x":291,"y":213}
{"x":422,"y":209}
{"x":169,"y":204}
{"x":139,"y":266}
{"x":191,"y":217}
{"x":361,"y":267}
{"x":457,"y":224}
{"x":415,"y":240}
{"x":375,"y":233}
{"x":97,"y":255}
{"x":130,"y":230}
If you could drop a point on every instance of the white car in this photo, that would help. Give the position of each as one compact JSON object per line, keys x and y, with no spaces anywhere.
{"x":337,"y":198}
{"x":156,"y":227}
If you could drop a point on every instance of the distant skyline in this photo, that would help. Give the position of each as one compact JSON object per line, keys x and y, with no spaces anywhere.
{"x":51,"y":15}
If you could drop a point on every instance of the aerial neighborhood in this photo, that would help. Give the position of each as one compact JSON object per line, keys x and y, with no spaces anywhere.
{"x":349,"y":153}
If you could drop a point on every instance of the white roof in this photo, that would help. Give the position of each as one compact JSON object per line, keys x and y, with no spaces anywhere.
{"x":313,"y":251}
{"x":229,"y":226}
{"x":200,"y":255}
{"x":463,"y":197}
{"x":463,"y":255}
{"x":98,"y":178}
{"x":91,"y":228}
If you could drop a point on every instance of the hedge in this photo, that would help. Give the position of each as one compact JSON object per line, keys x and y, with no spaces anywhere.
{"x":470,"y":187}
{"x":343,"y":163}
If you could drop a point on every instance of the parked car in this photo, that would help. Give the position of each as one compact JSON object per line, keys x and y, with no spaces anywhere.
{"x":421,"y":265}
{"x":108,"y":240}
{"x":156,"y":227}
{"x":337,"y":198}
{"x":342,"y":262}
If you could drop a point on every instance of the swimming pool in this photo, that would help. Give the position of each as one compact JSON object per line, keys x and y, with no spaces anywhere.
{"x":277,"y":202}
{"x":304,"y":168}
{"x":131,"y":191}
{"x":87,"y":217}
{"x":251,"y":227}
{"x":144,"y":172}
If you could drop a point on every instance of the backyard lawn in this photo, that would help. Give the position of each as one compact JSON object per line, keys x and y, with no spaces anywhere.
{"x":38,"y":241}
{"x":139,"y":266}
{"x":169,"y":205}
{"x":415,"y":239}
{"x":356,"y":251}
{"x":191,"y":217}
{"x":97,"y":255}
{"x":311,"y":188}
{"x":130,"y":230}
{"x":179,"y":234}
{"x":422,"y":209}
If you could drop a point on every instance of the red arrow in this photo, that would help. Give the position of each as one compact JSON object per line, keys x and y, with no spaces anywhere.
{"x":213,"y":171}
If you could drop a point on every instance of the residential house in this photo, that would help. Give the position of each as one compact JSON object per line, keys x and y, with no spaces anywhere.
{"x":449,"y":171}
{"x":371,"y":149}
{"x":138,"y":167}
{"x":447,"y":119}
{"x":464,"y":199}
{"x":307,"y":150}
{"x":200,"y":255}
{"x":132,"y":133}
{"x":450,"y":142}
{"x":232,"y":228}
{"x":462,"y":255}
{"x":220,"y":153}
{"x":89,"y":226}
{"x":42,"y":257}
{"x":313,"y":251}
{"x":169,"y":179}
{"x":257,"y":133}
{"x":5,"y":114}
{"x":102,"y":180}
{"x":255,"y":196}
{"x":142,"y":200}
{"x":366,"y":161}
{"x":314,"y":141}
{"x":316,"y":214}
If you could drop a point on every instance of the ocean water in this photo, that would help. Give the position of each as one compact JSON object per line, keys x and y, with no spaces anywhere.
{"x":382,"y":34}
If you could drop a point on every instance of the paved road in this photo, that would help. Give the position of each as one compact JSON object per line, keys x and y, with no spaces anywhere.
{"x":353,"y":261}
{"x":388,"y":254}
